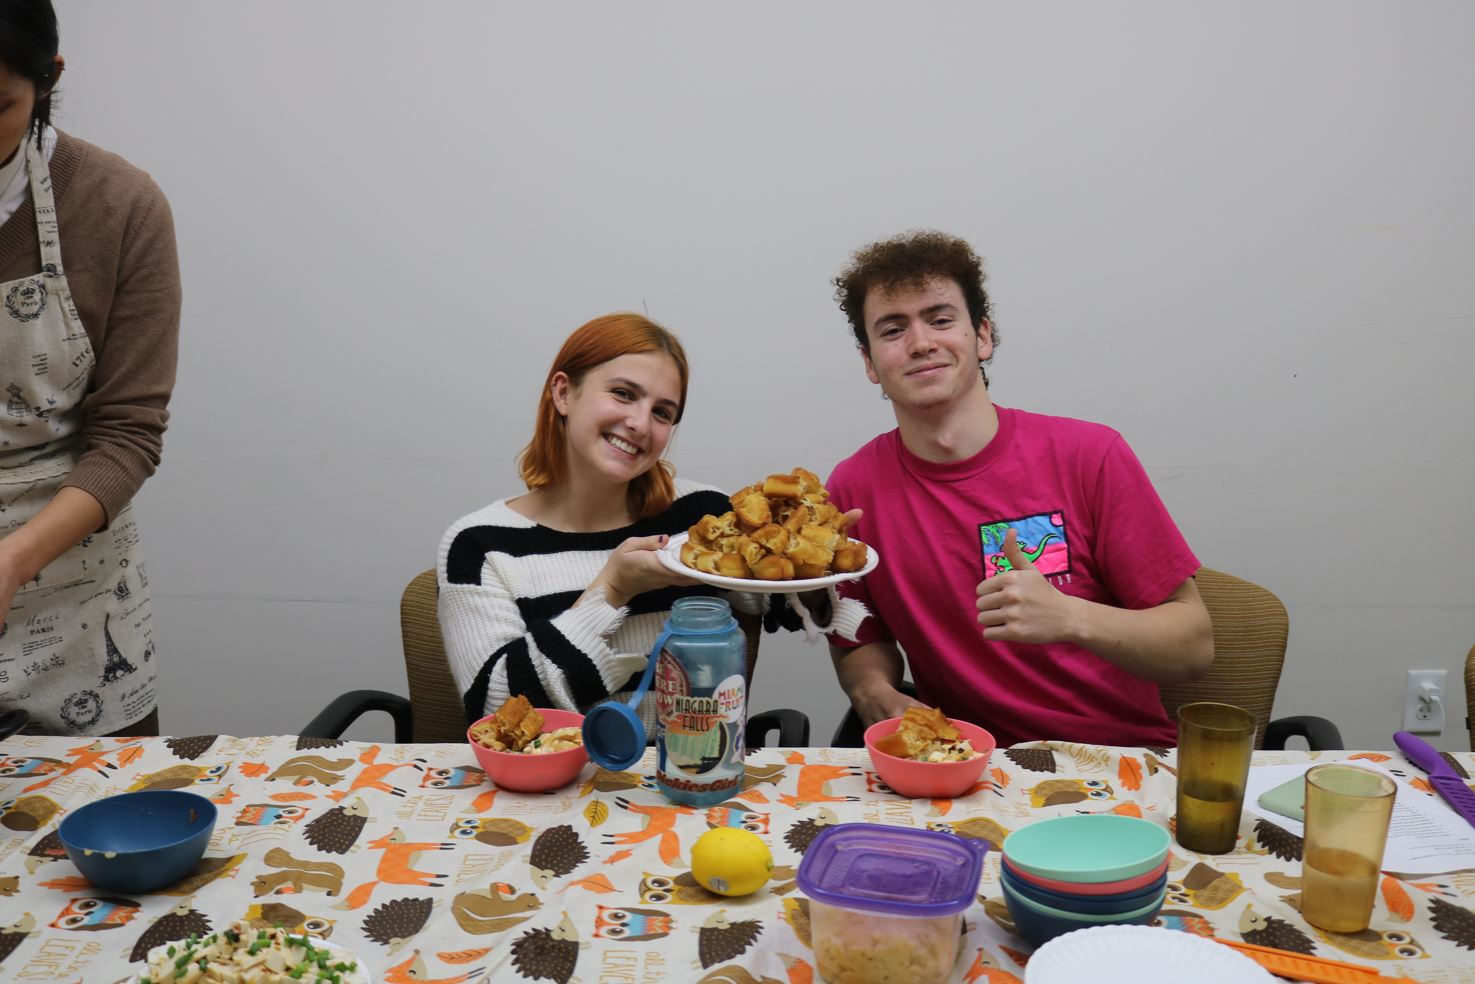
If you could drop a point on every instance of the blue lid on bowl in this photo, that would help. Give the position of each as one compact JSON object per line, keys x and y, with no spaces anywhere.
{"x":896,"y":870}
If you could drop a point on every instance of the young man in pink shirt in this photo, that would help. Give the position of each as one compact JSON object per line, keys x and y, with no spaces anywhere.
{"x":1029,"y":571}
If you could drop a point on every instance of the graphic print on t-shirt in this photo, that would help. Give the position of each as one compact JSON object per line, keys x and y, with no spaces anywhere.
{"x":1041,"y":538}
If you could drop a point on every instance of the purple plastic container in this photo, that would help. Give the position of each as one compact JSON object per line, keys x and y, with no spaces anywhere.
{"x":886,"y":903}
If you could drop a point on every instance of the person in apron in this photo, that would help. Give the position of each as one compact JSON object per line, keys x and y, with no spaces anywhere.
{"x":76,"y":645}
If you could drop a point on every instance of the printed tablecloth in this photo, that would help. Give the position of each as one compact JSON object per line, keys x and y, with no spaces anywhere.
{"x":406,"y":855}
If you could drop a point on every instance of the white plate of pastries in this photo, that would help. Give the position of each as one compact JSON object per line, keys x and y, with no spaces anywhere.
{"x":782,"y":535}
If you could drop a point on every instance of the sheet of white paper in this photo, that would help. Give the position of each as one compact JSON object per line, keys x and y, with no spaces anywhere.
{"x":1425,"y":836}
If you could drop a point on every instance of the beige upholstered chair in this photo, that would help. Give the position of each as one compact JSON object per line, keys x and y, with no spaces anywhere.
{"x":1250,"y":632}
{"x":435,"y":713}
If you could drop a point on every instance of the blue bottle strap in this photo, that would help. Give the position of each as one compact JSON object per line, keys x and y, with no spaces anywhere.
{"x":655,"y":653}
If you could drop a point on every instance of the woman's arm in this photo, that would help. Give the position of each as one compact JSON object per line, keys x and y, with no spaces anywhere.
{"x":60,"y":525}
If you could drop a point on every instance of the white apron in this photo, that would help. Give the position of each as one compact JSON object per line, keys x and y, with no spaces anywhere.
{"x":76,"y":650}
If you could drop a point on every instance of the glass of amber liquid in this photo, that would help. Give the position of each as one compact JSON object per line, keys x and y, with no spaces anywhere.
{"x":1215,"y":742}
{"x":1347,"y":814}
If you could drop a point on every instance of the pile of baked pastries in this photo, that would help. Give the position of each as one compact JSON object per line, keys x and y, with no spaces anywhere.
{"x":780,"y":529}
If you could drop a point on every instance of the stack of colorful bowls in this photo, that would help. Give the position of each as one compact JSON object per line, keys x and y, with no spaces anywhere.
{"x":1084,"y":870}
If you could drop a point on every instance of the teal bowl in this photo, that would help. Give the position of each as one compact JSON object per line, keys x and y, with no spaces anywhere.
{"x":137,"y":842}
{"x":1041,"y":923}
{"x":1087,"y":847}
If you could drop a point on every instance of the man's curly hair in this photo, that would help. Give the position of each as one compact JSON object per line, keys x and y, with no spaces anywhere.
{"x":908,"y":261}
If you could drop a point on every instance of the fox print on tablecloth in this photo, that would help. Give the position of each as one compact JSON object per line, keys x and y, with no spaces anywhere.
{"x":812,"y":783}
{"x":660,"y":825}
{"x":397,"y":867}
{"x":371,"y":776}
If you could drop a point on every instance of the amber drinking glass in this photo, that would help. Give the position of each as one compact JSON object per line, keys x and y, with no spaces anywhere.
{"x":1214,"y":746}
{"x":1347,"y":814}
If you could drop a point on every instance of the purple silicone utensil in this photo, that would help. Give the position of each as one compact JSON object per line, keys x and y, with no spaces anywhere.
{"x":1441,"y":776}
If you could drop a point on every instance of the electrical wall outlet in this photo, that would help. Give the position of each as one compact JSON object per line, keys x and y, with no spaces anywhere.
{"x":1423,"y":702}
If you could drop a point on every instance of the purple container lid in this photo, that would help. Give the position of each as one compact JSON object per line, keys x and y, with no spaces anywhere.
{"x":895,"y":870}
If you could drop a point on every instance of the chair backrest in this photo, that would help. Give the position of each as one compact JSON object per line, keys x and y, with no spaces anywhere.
{"x":1250,"y":631}
{"x":436,"y":709}
{"x":1470,"y":695}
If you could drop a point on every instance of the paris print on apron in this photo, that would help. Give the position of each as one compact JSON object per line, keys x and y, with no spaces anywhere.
{"x":76,"y":650}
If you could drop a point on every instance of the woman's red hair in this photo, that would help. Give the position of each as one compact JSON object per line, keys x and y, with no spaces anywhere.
{"x":544,"y":461}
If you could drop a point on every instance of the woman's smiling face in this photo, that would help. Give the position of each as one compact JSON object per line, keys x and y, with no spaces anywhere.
{"x":620,"y":416}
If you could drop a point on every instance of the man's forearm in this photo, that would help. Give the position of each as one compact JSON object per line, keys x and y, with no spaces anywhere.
{"x":1171,"y":643}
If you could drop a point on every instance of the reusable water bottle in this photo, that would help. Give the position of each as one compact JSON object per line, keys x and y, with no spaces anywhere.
{"x":701,"y":699}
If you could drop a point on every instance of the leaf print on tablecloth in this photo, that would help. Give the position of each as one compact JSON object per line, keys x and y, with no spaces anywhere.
{"x":1455,"y":923}
{"x":598,"y":883}
{"x":127,"y":755}
{"x":1129,"y":773}
{"x":69,"y":883}
{"x":547,"y":954}
{"x":1369,"y":756}
{"x":462,"y":956}
{"x":1032,"y":759}
{"x":596,"y":812}
{"x":1396,"y":898}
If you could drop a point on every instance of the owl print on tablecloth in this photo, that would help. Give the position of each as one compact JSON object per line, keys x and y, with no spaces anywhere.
{"x":1058,"y":792}
{"x":181,"y":776}
{"x":985,"y":829}
{"x":455,"y":777}
{"x":492,"y":831}
{"x":266,"y":915}
{"x":1375,"y":944}
{"x":739,"y":815}
{"x":28,"y":766}
{"x":28,"y":813}
{"x":270,"y":815}
{"x":1205,"y":888}
{"x":682,"y":889}
{"x":631,"y":925}
{"x":96,"y":912}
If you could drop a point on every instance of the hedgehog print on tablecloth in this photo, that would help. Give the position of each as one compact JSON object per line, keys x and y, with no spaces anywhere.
{"x":15,"y":934}
{"x":803,"y":833}
{"x":179,"y":922}
{"x":1032,"y":759}
{"x":556,"y":852}
{"x":1269,"y":838}
{"x":305,"y":743}
{"x":1455,"y":923}
{"x":337,"y":830}
{"x":547,"y":954}
{"x":48,"y":848}
{"x":191,"y":747}
{"x":720,"y":939}
{"x":1273,"y":932}
{"x":396,"y":922}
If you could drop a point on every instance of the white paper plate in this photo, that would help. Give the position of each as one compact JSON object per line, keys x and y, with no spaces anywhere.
{"x":670,"y":556}
{"x":1140,"y":955}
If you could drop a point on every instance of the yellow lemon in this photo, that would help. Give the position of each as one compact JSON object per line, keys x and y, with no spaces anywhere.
{"x":730,"y":861}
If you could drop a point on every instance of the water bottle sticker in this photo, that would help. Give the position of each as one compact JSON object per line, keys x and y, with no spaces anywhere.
{"x":732,"y":697}
{"x":693,"y":729}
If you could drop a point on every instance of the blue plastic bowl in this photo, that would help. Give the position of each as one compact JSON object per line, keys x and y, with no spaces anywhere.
{"x":1085,"y":904}
{"x":1039,"y":923}
{"x":137,"y":842}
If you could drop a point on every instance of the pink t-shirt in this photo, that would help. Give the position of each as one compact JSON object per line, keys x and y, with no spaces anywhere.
{"x":1087,"y":516}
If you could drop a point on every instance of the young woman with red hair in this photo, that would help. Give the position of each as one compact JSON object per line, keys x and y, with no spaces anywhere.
{"x":557,"y":594}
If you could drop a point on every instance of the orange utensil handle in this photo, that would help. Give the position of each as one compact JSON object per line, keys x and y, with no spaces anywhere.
{"x":1318,"y":970}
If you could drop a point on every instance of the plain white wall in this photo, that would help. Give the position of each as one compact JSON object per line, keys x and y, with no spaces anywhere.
{"x":1240,"y":233}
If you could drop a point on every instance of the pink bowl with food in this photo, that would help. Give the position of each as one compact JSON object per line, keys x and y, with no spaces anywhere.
{"x":930,"y":780}
{"x":526,"y":772}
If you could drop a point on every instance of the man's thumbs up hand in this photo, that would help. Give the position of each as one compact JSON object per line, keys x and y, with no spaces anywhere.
{"x":1021,"y":605}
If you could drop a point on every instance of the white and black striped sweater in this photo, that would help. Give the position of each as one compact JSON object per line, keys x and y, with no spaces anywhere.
{"x":506,"y":590}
